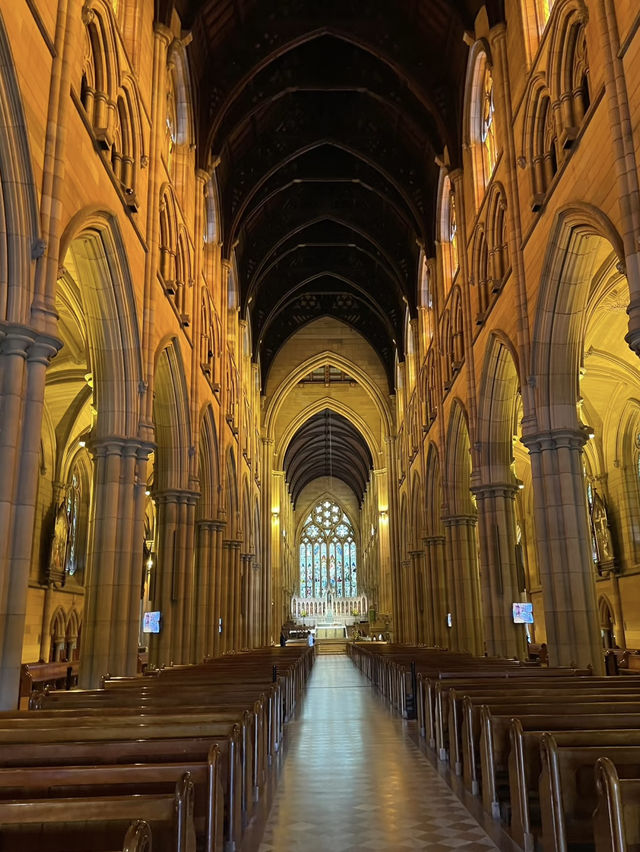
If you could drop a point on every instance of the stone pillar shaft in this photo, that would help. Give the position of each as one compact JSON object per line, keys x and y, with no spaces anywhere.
{"x":436,"y":594}
{"x":174,"y":586}
{"x":24,"y":356}
{"x":463,"y":583}
{"x":564,"y":551}
{"x":499,"y":575}
{"x":115,"y":554}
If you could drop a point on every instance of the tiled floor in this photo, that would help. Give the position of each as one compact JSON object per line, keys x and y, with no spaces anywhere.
{"x":353,"y":779}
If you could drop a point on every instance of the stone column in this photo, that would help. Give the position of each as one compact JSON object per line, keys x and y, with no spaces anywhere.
{"x":24,"y":356}
{"x":463,"y":583}
{"x":204,"y":609}
{"x":115,"y":560}
{"x":227,"y":595}
{"x":217,"y":609}
{"x":563,"y":541}
{"x":236,"y":575}
{"x":436,"y":592}
{"x":174,"y":583}
{"x":499,"y":574}
{"x":246,"y":562}
{"x":423,"y":610}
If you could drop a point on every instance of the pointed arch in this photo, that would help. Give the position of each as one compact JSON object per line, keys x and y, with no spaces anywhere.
{"x":93,"y":241}
{"x":19,"y":217}
{"x":172,"y":420}
{"x":497,"y":410}
{"x":232,"y":499}
{"x":458,"y":462}
{"x":433,"y":494}
{"x":579,"y":235}
{"x":209,"y":466}
{"x":479,"y":128}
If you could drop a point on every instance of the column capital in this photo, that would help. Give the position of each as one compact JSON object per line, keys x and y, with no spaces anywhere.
{"x":495,"y":489}
{"x":176,"y":495}
{"x":116,"y":445}
{"x":162,"y":33}
{"x":555,"y":439}
{"x":460,"y":521}
{"x":434,"y":539}
{"x":29,"y":343}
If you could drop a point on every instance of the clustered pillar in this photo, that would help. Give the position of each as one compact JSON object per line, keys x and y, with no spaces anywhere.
{"x":562,"y":537}
{"x":463,"y":584}
{"x":501,"y":586}
{"x":24,"y":356}
{"x":110,"y":639}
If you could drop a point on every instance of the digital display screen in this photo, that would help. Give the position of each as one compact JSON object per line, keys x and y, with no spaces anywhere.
{"x":151,"y":622}
{"x":523,"y":613}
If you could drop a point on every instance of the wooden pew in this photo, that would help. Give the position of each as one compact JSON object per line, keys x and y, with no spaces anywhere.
{"x":134,"y":749}
{"x":129,"y":779}
{"x":79,"y":823}
{"x":494,"y":739}
{"x":525,"y":767}
{"x":568,"y":794}
{"x":531,"y":691}
{"x":138,"y":837}
{"x":64,"y":675}
{"x":616,"y":820}
{"x":158,"y":707}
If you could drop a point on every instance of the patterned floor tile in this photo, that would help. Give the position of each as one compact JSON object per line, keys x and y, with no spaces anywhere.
{"x":354,"y":780}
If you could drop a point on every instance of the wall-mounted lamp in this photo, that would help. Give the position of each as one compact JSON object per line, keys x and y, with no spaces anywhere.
{"x":384,"y":515}
{"x":520,"y":484}
{"x":82,"y":443}
{"x":147,"y":493}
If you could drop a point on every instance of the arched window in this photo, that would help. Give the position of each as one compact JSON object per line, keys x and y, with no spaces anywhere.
{"x":481,"y":275}
{"x":328,"y":556}
{"x":569,"y":75}
{"x":540,"y":144}
{"x":98,"y":83}
{"x":171,"y":126}
{"x":457,"y":334}
{"x":481,"y":132}
{"x":535,"y":15}
{"x":449,"y":237}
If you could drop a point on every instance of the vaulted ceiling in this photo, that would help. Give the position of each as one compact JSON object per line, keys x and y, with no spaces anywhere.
{"x":327,"y":444}
{"x":323,"y":121}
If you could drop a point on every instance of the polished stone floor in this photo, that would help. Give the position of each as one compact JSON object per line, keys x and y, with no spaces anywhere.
{"x":354,"y":779}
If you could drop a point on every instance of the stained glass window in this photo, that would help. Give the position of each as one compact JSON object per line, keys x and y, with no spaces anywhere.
{"x":328,"y":556}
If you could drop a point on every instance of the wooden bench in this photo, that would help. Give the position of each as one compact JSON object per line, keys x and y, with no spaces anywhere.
{"x":71,"y":824}
{"x":568,"y":794}
{"x":159,"y":708}
{"x":535,"y":692}
{"x":130,"y":779}
{"x":525,"y":767}
{"x":60,"y":675}
{"x":135,"y":749}
{"x":616,"y":819}
{"x":494,"y":740}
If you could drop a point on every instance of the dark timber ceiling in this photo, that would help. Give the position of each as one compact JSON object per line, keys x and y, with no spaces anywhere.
{"x":324,"y":120}
{"x":327,"y":445}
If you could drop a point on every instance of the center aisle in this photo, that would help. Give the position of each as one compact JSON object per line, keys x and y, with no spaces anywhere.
{"x":353,"y":779}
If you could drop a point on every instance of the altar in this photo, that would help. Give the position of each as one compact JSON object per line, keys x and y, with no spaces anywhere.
{"x":329,"y":612}
{"x":331,"y":631}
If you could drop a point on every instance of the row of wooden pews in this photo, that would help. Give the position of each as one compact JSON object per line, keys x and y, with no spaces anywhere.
{"x":554,"y":753}
{"x":174,"y":760}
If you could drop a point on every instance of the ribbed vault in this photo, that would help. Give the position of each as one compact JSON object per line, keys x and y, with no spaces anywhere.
{"x":327,"y":445}
{"x":322,"y":123}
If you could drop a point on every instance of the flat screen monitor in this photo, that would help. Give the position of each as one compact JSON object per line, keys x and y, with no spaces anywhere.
{"x":523,"y":613}
{"x":151,"y":622}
